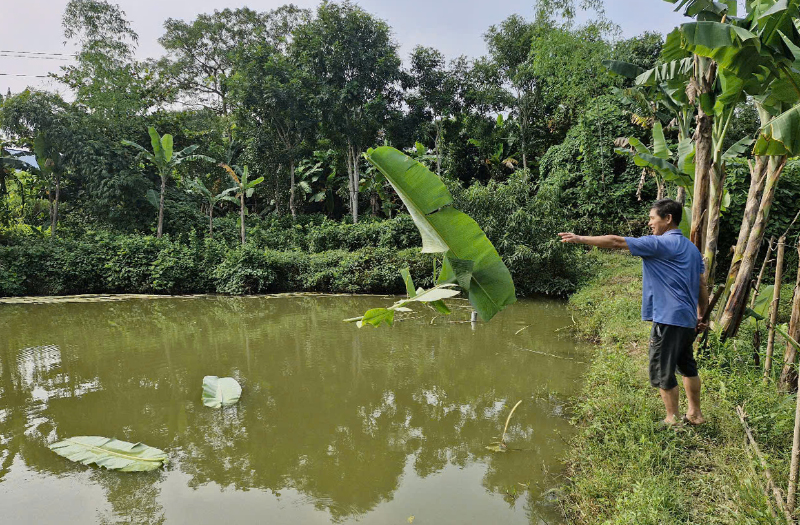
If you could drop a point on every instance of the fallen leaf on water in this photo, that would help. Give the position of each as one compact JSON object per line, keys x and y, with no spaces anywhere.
{"x":411,"y":519}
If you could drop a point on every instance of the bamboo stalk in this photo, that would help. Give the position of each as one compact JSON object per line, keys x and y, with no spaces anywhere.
{"x":773,"y":311}
{"x":791,"y":491}
{"x":776,"y":492}
{"x":788,"y":374}
{"x":764,"y":264}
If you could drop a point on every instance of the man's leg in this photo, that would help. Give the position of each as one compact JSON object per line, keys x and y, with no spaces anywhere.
{"x":662,"y":369}
{"x":692,"y":387}
{"x":670,"y":399}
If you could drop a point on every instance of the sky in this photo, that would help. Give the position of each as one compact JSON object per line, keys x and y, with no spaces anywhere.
{"x":455,"y":27}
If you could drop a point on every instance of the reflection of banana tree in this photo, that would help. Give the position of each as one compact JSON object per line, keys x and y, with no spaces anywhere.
{"x":244,"y":188}
{"x":197,"y":186}
{"x":165,"y":162}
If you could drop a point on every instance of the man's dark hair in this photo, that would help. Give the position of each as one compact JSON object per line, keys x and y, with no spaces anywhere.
{"x":666,"y":207}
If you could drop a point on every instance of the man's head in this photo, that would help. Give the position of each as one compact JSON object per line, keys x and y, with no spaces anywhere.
{"x":665,"y":215}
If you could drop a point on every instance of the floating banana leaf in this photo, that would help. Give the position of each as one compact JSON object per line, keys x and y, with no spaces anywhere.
{"x":220,"y":391}
{"x":110,"y":453}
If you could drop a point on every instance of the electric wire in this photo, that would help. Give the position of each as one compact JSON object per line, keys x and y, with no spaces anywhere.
{"x":33,"y":57}
{"x":37,"y":53}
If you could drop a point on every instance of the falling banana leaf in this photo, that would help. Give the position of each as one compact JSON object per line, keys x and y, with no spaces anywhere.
{"x":220,"y":391}
{"x":378,"y":316}
{"x":446,"y":230}
{"x":110,"y":453}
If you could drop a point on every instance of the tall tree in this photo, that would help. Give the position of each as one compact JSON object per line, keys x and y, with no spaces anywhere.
{"x":106,"y":77}
{"x":352,"y":56}
{"x":437,"y":91}
{"x":277,"y":107}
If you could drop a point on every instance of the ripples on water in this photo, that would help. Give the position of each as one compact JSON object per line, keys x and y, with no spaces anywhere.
{"x":334,"y":424}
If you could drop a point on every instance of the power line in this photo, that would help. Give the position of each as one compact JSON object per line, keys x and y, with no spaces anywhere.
{"x":22,"y":75}
{"x":30,"y":57}
{"x":37,"y":53}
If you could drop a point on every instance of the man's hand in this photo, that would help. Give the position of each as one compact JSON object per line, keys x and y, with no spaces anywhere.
{"x":702,"y":325}
{"x":570,"y":237}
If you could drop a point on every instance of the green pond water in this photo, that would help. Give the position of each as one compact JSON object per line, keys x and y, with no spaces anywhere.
{"x":335,"y":424}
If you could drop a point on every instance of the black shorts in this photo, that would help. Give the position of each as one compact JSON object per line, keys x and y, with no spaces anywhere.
{"x":670,"y":349}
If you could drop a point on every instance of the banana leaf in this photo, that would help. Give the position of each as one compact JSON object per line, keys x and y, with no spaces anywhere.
{"x":434,"y":296}
{"x":623,"y":69}
{"x":780,"y":136}
{"x":110,"y":453}
{"x":220,"y":391}
{"x":447,"y":230}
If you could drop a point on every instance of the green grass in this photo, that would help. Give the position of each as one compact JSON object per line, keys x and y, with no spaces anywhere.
{"x":621,"y":468}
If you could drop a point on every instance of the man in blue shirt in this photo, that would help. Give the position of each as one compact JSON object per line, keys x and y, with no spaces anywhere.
{"x":674,"y":298}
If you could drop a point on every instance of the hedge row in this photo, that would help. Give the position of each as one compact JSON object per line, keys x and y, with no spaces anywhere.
{"x":145,"y":264}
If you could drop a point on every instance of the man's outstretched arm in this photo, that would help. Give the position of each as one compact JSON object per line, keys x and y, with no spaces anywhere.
{"x":613,"y":242}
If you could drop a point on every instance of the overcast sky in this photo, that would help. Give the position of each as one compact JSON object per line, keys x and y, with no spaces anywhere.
{"x":455,"y":27}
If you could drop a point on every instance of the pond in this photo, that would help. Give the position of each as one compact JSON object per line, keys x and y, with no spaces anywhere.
{"x":335,"y":424}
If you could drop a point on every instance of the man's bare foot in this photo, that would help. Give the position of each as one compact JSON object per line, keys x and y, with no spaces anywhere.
{"x":671,"y":421}
{"x":692,"y":419}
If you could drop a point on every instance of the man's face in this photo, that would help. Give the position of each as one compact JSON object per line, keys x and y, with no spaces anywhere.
{"x":659,"y":225}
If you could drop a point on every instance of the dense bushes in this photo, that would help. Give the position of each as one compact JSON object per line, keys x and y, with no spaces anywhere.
{"x":105,"y":263}
{"x":310,"y":253}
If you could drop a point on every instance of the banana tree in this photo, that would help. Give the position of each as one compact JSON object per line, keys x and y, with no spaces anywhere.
{"x":165,"y":162}
{"x":470,"y":262}
{"x":244,"y":188}
{"x":759,"y":53}
{"x":197,"y":186}
{"x":51,"y":166}
{"x":318,"y":178}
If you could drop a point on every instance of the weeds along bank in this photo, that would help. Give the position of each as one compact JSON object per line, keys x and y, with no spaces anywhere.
{"x":622,"y":468}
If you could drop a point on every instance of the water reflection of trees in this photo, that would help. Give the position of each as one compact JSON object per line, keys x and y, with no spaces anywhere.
{"x":329,"y":410}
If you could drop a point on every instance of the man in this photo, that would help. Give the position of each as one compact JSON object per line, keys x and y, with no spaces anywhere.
{"x":674,"y":298}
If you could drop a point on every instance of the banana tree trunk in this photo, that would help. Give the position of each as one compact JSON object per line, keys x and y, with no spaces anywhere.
{"x":773,"y":309}
{"x":703,"y":138}
{"x":734,"y":308}
{"x":757,"y":179}
{"x":161,"y":206}
{"x":705,"y":74}
{"x":353,"y":179}
{"x":716,"y":191}
{"x":789,"y":374}
{"x":54,"y":212}
{"x":291,"y":191}
{"x":241,"y":213}
{"x":680,"y":195}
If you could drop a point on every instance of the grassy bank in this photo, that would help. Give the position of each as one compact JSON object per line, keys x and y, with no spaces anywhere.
{"x":622,"y":468}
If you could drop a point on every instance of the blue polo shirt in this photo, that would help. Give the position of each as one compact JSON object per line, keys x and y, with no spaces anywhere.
{"x":671,"y":270}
